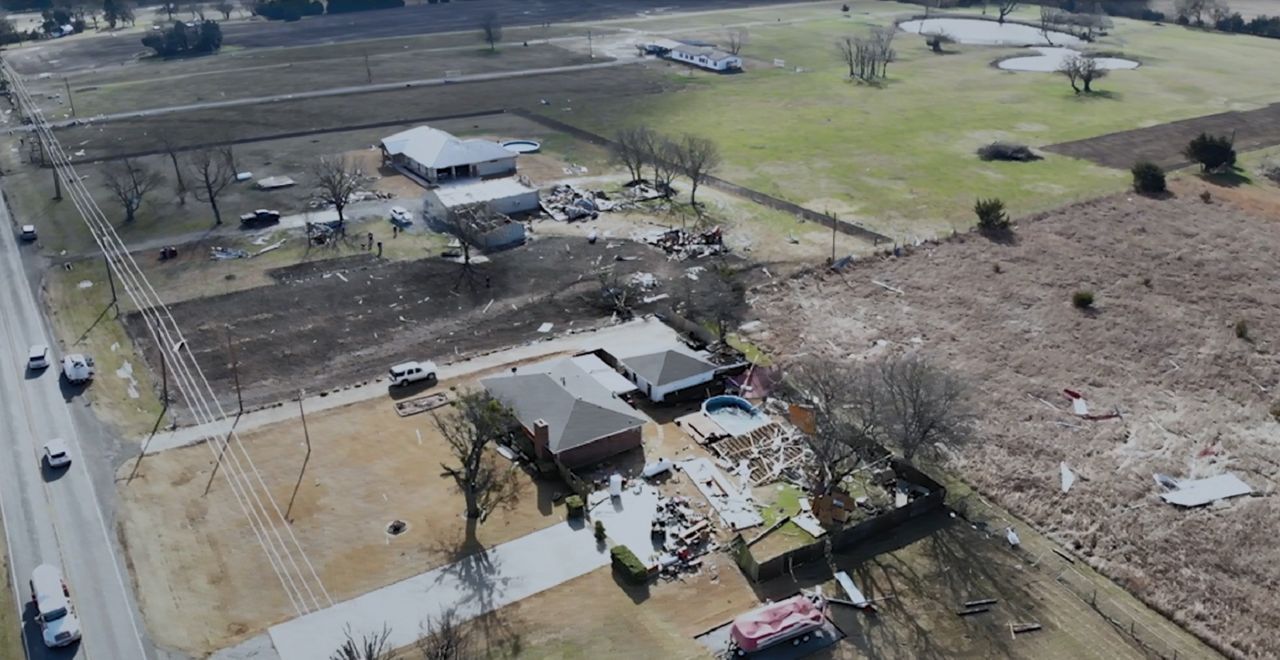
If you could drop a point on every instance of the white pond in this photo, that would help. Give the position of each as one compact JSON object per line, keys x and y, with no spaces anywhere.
{"x":1050,"y":60}
{"x":988,"y":33}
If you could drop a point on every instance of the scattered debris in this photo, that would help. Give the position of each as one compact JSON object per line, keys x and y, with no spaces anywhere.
{"x":421,"y":404}
{"x":85,"y":284}
{"x":271,"y":182}
{"x":545,"y":327}
{"x":972,"y":610}
{"x":1068,"y":477}
{"x":980,"y":602}
{"x":775,"y":452}
{"x":1012,"y":537}
{"x":1064,"y":555}
{"x":1080,"y":407}
{"x":688,"y":245}
{"x":645,"y":281}
{"x":1016,"y":629}
{"x":732,"y":503}
{"x":218,"y":253}
{"x":1199,"y":492}
{"x":269,"y":248}
{"x":567,"y":203}
{"x":851,"y":590}
{"x":887,"y":287}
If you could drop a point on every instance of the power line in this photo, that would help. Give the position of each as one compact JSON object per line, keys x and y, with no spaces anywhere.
{"x":288,"y":560}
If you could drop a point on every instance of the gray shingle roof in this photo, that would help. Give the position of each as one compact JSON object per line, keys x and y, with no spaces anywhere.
{"x":577,"y":408}
{"x":435,"y":148}
{"x":665,"y":367}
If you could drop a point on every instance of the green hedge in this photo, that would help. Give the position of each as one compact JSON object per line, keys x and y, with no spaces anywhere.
{"x":624,"y":560}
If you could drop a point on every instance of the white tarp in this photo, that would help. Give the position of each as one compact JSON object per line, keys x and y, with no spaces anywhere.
{"x":1199,"y":492}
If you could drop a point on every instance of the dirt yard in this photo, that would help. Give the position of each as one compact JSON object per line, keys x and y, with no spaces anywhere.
{"x":1163,"y":143}
{"x":1173,"y":278}
{"x":339,"y":321}
{"x":201,"y":577}
{"x":595,"y":616}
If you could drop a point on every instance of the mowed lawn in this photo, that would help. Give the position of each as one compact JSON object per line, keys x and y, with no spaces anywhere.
{"x":900,"y":157}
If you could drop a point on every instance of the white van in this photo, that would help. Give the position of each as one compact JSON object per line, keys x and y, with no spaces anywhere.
{"x":58,"y":622}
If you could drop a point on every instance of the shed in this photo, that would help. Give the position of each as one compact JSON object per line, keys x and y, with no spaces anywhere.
{"x":501,"y":197}
{"x":665,"y":372}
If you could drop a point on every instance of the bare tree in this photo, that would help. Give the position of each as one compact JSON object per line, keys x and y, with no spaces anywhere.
{"x":868,"y":58}
{"x":697,"y":157}
{"x":445,"y":638}
{"x":336,"y":179}
{"x":1006,"y":7}
{"x":922,"y":406}
{"x":664,"y":157}
{"x":213,"y":171}
{"x":631,"y":148}
{"x":844,"y":403}
{"x":225,"y":7}
{"x":469,"y":224}
{"x":129,"y":181}
{"x":617,"y":294}
{"x":170,"y":145}
{"x":1081,"y":69}
{"x":936,"y":39}
{"x":1050,"y":18}
{"x":476,"y":422}
{"x":372,"y":646}
{"x":735,"y":39}
{"x":1191,"y":11}
{"x":491,"y":29}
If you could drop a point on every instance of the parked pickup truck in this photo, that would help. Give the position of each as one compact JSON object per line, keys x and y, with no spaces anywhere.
{"x":412,"y":372}
{"x":78,"y":368}
{"x":260,"y":217}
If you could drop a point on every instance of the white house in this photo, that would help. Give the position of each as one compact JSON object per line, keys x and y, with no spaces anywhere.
{"x":437,"y":156}
{"x":503,"y":197}
{"x":661,"y":374}
{"x":706,"y":58}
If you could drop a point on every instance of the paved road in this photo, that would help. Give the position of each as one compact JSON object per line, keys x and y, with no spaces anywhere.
{"x":57,"y":517}
{"x":85,"y":53}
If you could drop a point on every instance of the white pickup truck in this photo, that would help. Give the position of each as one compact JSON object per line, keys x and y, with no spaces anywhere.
{"x":78,"y":368}
{"x":412,"y":372}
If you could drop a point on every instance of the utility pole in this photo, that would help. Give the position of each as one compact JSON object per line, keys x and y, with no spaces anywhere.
{"x":111,"y":279}
{"x":235,"y":371}
{"x":833,"y":237}
{"x":225,"y":443}
{"x":164,"y":408}
{"x":590,"y":47}
{"x":57,"y":183}
{"x":70,"y":101}
{"x":306,"y":436}
{"x":368,"y":72}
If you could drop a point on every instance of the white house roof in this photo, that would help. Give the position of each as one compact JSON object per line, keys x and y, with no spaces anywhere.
{"x":473,"y":192}
{"x":604,"y":373}
{"x":577,"y":407}
{"x":435,"y":148}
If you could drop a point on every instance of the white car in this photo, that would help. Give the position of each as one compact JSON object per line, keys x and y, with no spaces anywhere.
{"x":59,"y":625}
{"x":38,"y":357}
{"x":400,"y":216}
{"x":28,"y":233}
{"x":56,"y":453}
{"x":412,"y":372}
{"x":78,"y":368}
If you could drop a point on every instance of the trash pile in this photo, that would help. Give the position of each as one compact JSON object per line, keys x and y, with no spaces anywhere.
{"x":320,"y":233}
{"x":219,"y":253}
{"x":683,"y":534}
{"x":567,"y":203}
{"x":683,"y":244}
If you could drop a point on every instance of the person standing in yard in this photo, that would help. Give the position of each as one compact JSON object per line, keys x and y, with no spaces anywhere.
{"x":379,"y":249}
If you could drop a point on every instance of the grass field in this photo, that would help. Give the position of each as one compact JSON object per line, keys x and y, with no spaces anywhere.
{"x":899,"y":157}
{"x":10,"y":625}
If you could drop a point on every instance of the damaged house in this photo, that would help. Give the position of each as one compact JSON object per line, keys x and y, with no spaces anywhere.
{"x":668,"y":372}
{"x":571,"y":409}
{"x":486,"y":206}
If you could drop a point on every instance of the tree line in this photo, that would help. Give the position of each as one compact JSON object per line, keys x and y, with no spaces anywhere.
{"x":642,"y":148}
{"x":292,"y":10}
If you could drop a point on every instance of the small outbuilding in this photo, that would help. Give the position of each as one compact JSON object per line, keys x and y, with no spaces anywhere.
{"x":436,"y":156}
{"x":501,"y":198}
{"x":667,"y":372}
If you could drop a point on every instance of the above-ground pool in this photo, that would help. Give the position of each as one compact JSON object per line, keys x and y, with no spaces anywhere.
{"x":734,"y":414}
{"x":522,"y":146}
{"x":1051,"y":59}
{"x":989,"y":33}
